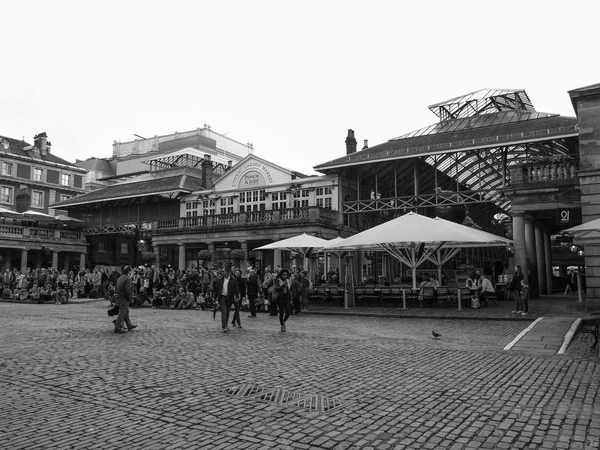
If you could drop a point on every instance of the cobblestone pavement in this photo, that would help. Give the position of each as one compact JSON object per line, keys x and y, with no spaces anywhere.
{"x":329,"y":382}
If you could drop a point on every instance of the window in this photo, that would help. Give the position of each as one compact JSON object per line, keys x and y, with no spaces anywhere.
{"x":301,"y":198}
{"x":227,"y":205}
{"x":38,"y":175}
{"x":208,"y":207}
{"x":7,"y":169}
{"x":124,"y":248}
{"x":65,"y":179}
{"x":64,"y":197}
{"x":253,"y":201}
{"x":101,"y":246}
{"x":37,"y":199}
{"x":323,"y":195}
{"x":191,"y":209}
{"x":279,"y":200}
{"x":6,"y":194}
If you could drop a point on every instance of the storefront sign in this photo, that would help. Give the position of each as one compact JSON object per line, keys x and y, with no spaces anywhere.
{"x":250,"y":179}
{"x":252,"y":174}
{"x":564,"y":217}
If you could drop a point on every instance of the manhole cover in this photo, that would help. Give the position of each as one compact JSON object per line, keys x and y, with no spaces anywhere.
{"x":280,"y":396}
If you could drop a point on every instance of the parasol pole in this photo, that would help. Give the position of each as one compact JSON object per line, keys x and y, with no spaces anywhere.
{"x":439,"y":261}
{"x":414,"y":267}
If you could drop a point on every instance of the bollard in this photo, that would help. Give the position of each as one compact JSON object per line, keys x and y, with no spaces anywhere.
{"x":403,"y":299}
{"x":459,"y":301}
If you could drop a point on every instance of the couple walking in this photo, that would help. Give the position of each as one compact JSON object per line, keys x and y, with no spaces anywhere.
{"x":229,"y":295}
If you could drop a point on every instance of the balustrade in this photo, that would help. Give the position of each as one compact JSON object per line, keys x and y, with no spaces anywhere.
{"x":550,"y":171}
{"x":11,"y":230}
{"x":250,"y":217}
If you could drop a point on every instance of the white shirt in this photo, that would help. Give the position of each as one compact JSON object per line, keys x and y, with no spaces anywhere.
{"x":225,"y":291}
{"x":486,"y":285}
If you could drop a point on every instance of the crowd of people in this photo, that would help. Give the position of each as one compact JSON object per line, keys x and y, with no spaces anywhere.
{"x":280,"y":292}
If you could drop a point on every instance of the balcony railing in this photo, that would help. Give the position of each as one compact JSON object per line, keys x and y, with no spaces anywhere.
{"x":312,"y":214}
{"x":550,"y":172}
{"x":41,"y":234}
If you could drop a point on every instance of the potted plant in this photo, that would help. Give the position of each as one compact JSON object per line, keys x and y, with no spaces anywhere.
{"x":204,"y":256}
{"x":148,"y":257}
{"x":237,"y":255}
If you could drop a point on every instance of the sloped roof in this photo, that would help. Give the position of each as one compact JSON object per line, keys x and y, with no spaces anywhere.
{"x":17,"y":149}
{"x":486,"y":130}
{"x":167,"y":185}
{"x":96,"y":165}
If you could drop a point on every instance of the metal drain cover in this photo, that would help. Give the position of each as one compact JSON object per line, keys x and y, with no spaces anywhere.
{"x":284,"y":397}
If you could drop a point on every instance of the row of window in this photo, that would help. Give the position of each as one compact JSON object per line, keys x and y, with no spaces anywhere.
{"x":7,"y":195}
{"x":8,"y":169}
{"x":256,"y":201}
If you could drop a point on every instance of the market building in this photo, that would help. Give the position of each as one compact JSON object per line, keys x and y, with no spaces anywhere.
{"x":494,"y":162}
{"x":32,"y":179}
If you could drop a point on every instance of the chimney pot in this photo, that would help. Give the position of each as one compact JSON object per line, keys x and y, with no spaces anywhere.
{"x":366,"y":146}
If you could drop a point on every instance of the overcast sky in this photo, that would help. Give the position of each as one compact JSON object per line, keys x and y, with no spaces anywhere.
{"x":289,"y":76}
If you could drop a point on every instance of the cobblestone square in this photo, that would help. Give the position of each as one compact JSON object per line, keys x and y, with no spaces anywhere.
{"x":329,"y":382}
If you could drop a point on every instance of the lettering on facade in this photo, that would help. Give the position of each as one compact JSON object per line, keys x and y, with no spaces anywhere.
{"x":252,"y":174}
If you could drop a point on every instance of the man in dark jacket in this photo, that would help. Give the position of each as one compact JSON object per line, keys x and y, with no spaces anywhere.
{"x":122,"y":300}
{"x":226,"y":292}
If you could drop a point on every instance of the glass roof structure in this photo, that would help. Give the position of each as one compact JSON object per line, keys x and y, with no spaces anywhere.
{"x":478,"y":137}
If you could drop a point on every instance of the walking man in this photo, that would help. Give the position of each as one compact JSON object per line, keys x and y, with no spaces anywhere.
{"x":227,"y":291}
{"x":122,"y":300}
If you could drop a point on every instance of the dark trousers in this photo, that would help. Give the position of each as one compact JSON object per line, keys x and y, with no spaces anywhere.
{"x":285,"y":306}
{"x":123,"y":316}
{"x":236,"y":313}
{"x":297,"y":302}
{"x":225,"y":308}
{"x":252,"y":300}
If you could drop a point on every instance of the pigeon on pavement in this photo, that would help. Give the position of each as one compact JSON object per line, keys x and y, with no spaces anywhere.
{"x":436,"y":335}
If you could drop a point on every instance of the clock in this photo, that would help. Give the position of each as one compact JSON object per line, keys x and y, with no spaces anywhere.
{"x":4,"y":144}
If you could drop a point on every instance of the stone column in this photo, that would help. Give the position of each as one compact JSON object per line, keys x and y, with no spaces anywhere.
{"x":548,"y":263}
{"x":276,"y":258}
{"x":182,"y":257}
{"x":81,"y":261}
{"x":244,"y":246}
{"x":531,"y":274}
{"x":55,"y":260}
{"x":540,"y":259}
{"x":157,"y":256}
{"x":519,"y":242}
{"x":8,"y":259}
{"x":24,"y":260}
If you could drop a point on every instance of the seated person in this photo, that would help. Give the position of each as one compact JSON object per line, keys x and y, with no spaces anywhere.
{"x":425,"y":285}
{"x":166,"y":297}
{"x":34,"y":294}
{"x":201,"y":302}
{"x":141,"y":298}
{"x":61,"y":296}
{"x":486,"y":290}
{"x":47,"y":294}
{"x":187,"y":301}
{"x":24,"y":295}
{"x":17,"y":294}
{"x":6,"y":292}
{"x":110,"y":293}
{"x":157,"y":299}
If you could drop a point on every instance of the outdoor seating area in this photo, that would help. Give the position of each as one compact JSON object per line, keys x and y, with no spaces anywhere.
{"x":400,"y":296}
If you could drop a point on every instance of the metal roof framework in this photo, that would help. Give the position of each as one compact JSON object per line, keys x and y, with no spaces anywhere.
{"x":463,"y":159}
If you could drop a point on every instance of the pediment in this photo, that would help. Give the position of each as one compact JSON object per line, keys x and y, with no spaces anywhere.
{"x":253,"y":172}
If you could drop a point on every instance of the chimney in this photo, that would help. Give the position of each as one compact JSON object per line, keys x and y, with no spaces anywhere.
{"x":350,"y":143}
{"x":229,"y":164}
{"x":366,"y":146}
{"x":40,"y":140}
{"x":207,"y":172}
